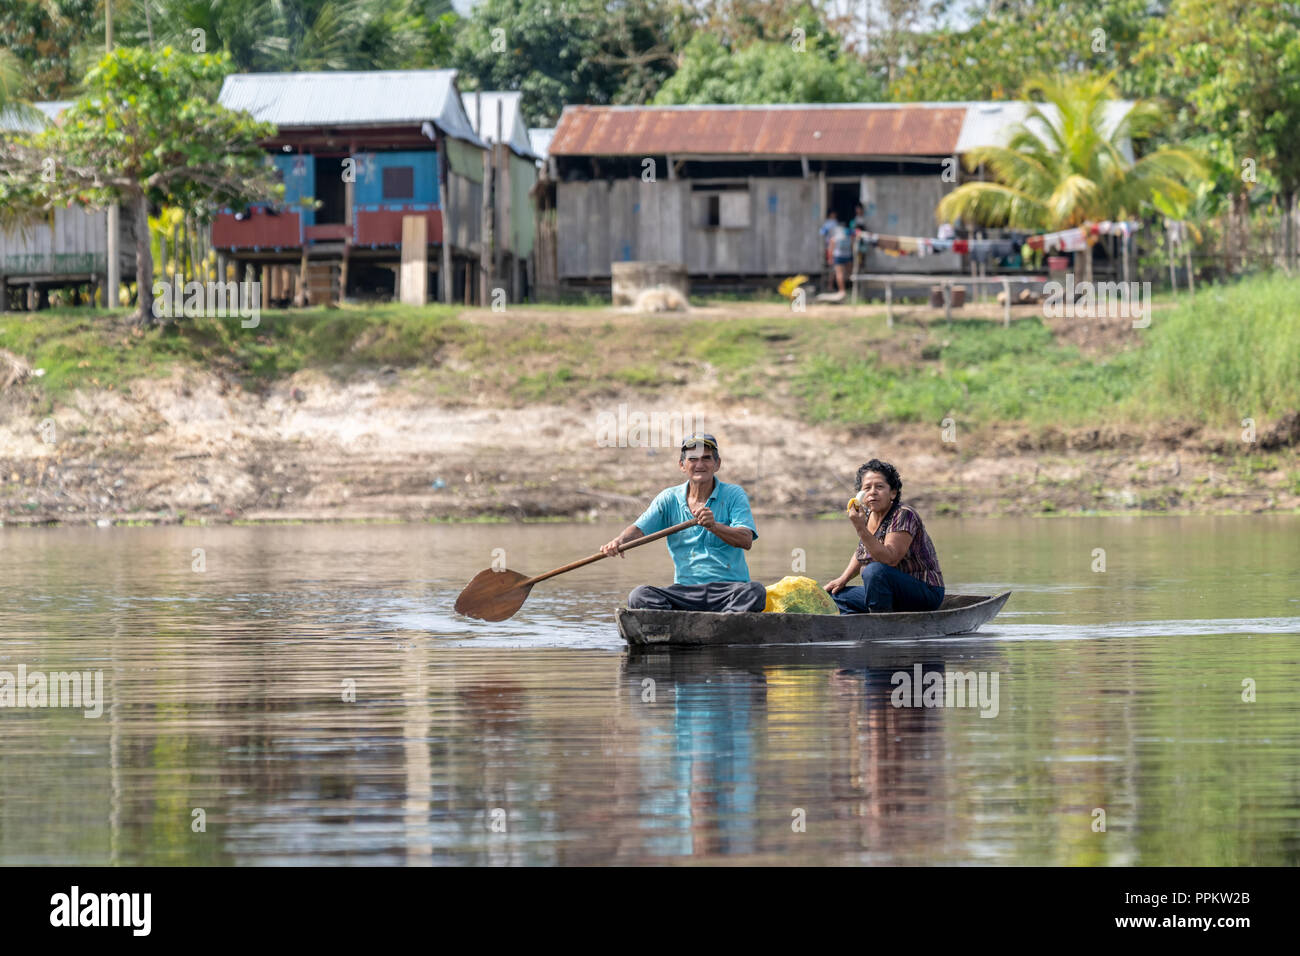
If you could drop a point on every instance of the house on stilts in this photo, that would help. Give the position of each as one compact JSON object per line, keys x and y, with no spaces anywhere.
{"x":384,"y":190}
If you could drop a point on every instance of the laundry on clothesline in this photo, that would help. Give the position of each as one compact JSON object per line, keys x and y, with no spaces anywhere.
{"x":1075,"y":239}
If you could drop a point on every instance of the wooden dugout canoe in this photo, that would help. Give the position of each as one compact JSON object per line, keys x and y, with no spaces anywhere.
{"x":959,"y":614}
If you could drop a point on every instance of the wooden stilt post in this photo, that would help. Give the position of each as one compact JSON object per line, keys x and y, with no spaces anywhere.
{"x":343,"y":271}
{"x":415,"y":260}
{"x":302,"y":278}
{"x":485,"y":228}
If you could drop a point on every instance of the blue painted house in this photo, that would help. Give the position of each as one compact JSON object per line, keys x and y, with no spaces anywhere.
{"x":359,"y":153}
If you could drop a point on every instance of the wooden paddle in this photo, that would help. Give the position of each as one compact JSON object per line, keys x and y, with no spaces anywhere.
{"x":497,"y":595}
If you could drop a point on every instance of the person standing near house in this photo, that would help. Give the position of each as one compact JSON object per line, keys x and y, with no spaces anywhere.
{"x":859,"y":221}
{"x":841,"y":252}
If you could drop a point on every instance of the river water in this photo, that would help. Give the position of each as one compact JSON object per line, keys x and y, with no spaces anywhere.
{"x":306,"y":695}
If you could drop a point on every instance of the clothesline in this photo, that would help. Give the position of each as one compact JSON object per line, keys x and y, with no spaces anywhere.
{"x":1065,"y":240}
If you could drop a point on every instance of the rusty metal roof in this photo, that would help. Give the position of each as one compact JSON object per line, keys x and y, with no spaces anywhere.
{"x":842,"y":129}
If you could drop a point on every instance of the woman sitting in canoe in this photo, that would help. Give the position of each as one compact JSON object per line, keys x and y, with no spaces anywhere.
{"x":900,"y":570}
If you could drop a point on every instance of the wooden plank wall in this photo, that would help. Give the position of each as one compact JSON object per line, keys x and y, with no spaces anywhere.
{"x":601,"y":222}
{"x":74,"y":231}
{"x":904,"y":206}
{"x":523,"y":176}
{"x":465,"y":208}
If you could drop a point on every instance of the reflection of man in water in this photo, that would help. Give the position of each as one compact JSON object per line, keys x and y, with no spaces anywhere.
{"x":698,"y":786}
{"x":752,"y":734}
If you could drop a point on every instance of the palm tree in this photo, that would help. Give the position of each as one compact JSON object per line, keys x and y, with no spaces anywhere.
{"x":12,"y":103}
{"x":1064,"y":164}
{"x":291,"y":35}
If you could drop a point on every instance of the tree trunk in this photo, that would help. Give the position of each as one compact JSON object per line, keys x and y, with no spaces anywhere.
{"x":1169,"y":238}
{"x":1225,"y":257}
{"x":1290,"y":230}
{"x":143,"y":265}
{"x":1244,"y":221}
{"x":192,"y":252}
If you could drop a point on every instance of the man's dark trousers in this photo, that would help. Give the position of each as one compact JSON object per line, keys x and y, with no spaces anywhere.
{"x":715,"y":596}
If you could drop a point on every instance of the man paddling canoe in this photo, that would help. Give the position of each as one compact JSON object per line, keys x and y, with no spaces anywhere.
{"x":709,"y":559}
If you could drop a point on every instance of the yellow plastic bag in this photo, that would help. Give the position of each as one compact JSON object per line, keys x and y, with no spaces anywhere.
{"x":787,"y":287}
{"x":799,"y":595}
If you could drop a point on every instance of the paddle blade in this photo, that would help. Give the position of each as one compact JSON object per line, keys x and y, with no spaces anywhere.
{"x":493,"y":595}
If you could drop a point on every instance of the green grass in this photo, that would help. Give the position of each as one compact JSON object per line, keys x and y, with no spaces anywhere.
{"x":79,"y":347}
{"x":984,"y":373}
{"x":1233,"y":352}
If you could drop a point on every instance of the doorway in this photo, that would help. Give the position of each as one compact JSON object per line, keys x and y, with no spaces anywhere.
{"x":330,"y":191}
{"x":841,"y":198}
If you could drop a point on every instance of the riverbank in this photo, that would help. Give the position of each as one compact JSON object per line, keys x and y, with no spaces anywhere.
{"x":402,"y":414}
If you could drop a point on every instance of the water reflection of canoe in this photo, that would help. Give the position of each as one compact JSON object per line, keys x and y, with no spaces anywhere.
{"x":959,"y":614}
{"x":872,"y":661}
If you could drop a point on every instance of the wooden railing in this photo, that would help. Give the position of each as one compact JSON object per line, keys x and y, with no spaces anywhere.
{"x":58,"y":263}
{"x":945,"y":283}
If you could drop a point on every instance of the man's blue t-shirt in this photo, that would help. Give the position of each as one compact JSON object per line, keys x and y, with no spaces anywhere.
{"x":699,"y":556}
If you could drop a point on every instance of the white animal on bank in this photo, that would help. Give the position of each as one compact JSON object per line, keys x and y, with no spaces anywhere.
{"x":660,"y":298}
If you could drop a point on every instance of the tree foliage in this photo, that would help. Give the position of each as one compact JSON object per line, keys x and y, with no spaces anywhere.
{"x":559,"y":52}
{"x":767,"y":72}
{"x":47,"y":37}
{"x":1236,"y":63}
{"x":289,"y":35}
{"x":1012,"y":41}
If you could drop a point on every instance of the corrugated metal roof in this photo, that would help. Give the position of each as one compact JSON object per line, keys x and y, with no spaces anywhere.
{"x":805,"y":129}
{"x":540,"y":139}
{"x":506,"y":105}
{"x":351,"y":99}
{"x":841,"y":129}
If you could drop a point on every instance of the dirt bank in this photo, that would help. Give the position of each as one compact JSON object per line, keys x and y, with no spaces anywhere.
{"x":387,"y":445}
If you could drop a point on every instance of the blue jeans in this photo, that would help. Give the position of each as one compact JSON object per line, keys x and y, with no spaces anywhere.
{"x":885,"y":588}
